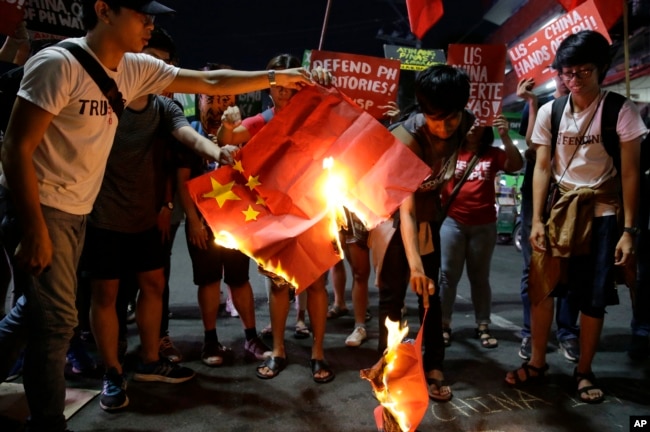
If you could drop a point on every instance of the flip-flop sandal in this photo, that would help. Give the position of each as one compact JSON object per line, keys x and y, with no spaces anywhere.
{"x":528,"y":378}
{"x":583,"y":393}
{"x":321,"y":365}
{"x":302,"y":331}
{"x":274,"y":364}
{"x":439,"y":397}
{"x":336,"y":312}
{"x":487,"y":341}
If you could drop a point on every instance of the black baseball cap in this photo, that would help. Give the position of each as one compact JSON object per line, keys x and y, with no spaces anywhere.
{"x":146,"y":7}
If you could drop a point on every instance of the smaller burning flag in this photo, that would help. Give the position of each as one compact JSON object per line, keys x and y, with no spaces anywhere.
{"x":398,"y":382}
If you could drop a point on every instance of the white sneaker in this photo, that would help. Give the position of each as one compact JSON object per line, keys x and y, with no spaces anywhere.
{"x":357,"y":337}
{"x":230,"y":308}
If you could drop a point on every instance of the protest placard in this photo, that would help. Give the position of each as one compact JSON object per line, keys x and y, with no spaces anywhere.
{"x":532,"y":57}
{"x":370,"y":82}
{"x":485,"y":65}
{"x":414,"y":59}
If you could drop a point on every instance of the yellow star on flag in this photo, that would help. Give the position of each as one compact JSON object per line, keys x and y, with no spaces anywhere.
{"x":221,"y":193}
{"x":260,"y":201}
{"x":238,"y":166}
{"x":250,"y":213}
{"x":253,"y":182}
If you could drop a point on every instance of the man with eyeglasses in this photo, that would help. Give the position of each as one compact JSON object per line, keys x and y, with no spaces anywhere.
{"x":54,"y":156}
{"x":582,"y":230}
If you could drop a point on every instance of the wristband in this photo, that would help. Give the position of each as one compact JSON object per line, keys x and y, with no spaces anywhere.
{"x":272,"y":78}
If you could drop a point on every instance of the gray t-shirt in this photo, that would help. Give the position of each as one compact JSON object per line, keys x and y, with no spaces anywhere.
{"x":130,"y":196}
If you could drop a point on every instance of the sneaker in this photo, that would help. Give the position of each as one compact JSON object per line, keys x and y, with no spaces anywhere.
{"x":113,"y":395}
{"x":570,"y":349}
{"x":357,"y":337}
{"x":163,"y":371}
{"x":17,"y":369}
{"x":79,"y":360}
{"x":525,"y":348}
{"x":169,"y":351}
{"x":230,"y":308}
{"x":257,"y":349}
{"x":214,"y":354}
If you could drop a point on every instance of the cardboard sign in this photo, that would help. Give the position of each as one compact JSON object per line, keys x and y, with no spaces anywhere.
{"x":414,"y":59}
{"x":485,"y":65}
{"x":533,"y":57}
{"x":60,"y":18}
{"x":369,"y":81}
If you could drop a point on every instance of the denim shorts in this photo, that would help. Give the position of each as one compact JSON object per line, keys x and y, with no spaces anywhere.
{"x":113,"y":255}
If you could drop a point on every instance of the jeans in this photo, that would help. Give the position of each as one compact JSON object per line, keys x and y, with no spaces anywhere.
{"x":474,"y":245}
{"x":566,"y":307}
{"x":47,"y":316}
{"x":394,"y":281}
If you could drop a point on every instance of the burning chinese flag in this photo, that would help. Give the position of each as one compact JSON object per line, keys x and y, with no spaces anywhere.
{"x":272,"y":203}
{"x":423,"y":14}
{"x":609,"y":10}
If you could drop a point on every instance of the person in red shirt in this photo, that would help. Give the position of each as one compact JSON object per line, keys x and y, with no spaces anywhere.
{"x":468,"y":234}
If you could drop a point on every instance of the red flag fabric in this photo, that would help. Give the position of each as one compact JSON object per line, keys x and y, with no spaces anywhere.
{"x":12,"y":14}
{"x":423,"y":14}
{"x":273,"y":202}
{"x":610,"y":10}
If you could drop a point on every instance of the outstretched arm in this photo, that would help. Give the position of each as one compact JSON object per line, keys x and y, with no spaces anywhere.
{"x":228,"y":81}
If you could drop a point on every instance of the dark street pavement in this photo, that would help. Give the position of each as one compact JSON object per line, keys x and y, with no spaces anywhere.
{"x":232,"y":398}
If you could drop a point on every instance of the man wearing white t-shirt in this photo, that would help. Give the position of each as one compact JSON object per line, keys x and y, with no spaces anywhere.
{"x":596,"y":195}
{"x":54,"y":156}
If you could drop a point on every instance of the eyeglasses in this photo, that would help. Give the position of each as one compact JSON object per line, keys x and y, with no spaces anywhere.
{"x":582,"y":74}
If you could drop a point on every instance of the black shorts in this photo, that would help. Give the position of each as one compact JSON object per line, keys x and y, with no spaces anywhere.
{"x":113,"y":255}
{"x":216,"y":262}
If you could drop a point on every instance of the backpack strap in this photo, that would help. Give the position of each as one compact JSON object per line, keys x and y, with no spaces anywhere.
{"x":556,"y":116}
{"x":611,"y":107}
{"x":105,"y":83}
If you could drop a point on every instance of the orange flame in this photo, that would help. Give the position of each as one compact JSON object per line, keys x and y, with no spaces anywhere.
{"x":227,"y":240}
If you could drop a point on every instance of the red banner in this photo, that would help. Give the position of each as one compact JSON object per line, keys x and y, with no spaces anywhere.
{"x":485,"y":65}
{"x":272,"y":202}
{"x":533,"y":57}
{"x":423,"y":14}
{"x":610,"y":10}
{"x":370,"y":81}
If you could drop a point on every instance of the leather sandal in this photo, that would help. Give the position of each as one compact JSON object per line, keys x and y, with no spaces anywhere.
{"x":583,"y":392}
{"x":321,"y":365}
{"x":439,"y":384}
{"x":487,"y":340}
{"x":274,"y":364}
{"x":540,"y":375}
